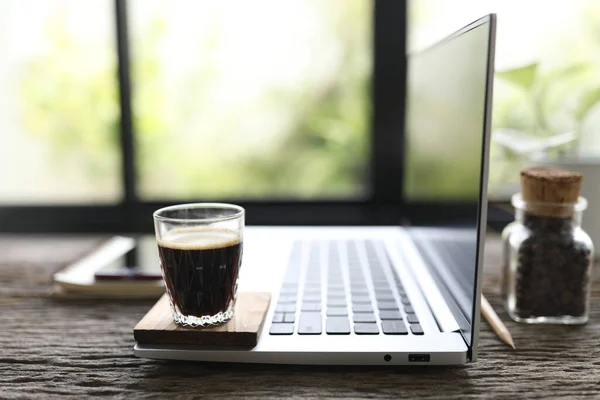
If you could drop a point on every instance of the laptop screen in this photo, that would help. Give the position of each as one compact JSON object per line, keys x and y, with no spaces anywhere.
{"x":447,"y":133}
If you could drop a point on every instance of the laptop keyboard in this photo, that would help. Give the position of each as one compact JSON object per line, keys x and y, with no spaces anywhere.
{"x":349,"y":292}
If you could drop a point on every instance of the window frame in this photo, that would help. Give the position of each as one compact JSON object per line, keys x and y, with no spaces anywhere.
{"x":384,"y":204}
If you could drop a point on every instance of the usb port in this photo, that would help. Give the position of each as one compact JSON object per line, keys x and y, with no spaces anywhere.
{"x":418,"y":358}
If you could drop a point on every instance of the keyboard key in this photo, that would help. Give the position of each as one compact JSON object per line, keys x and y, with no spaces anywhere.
{"x":288,"y":292}
{"x":361,"y":300}
{"x":381,"y":284}
{"x":336,"y":302}
{"x":337,"y":311}
{"x":387,"y":305}
{"x":278,"y":317}
{"x":289,"y":285}
{"x":362,"y":308}
{"x":311,"y":307}
{"x":401,"y":291}
{"x":383,"y":292}
{"x":390,"y":314}
{"x":281,"y":329}
{"x":310,"y":323}
{"x":393,"y":327}
{"x":311,"y":298}
{"x":372,"y":256}
{"x":366,"y":329}
{"x":312,"y":292}
{"x":337,"y":326}
{"x":409,"y":309}
{"x":285,"y":308}
{"x":335,"y":285}
{"x":412,"y":318}
{"x":405,"y":300}
{"x":385,"y":297}
{"x":364,"y":317}
{"x":287,"y":299}
{"x":337,"y":294}
{"x":289,"y":318}
{"x":362,"y":292}
{"x":416,"y":329}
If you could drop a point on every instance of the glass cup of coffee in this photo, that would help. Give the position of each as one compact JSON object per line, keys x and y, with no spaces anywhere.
{"x":200,"y":252}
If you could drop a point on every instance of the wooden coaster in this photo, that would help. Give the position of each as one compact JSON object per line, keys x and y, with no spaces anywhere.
{"x":243,"y":329}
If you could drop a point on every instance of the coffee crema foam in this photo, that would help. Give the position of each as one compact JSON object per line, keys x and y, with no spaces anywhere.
{"x":199,"y":239}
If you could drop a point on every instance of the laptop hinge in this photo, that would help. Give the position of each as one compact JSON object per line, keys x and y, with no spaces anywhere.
{"x":447,"y":286}
{"x":429,"y":289}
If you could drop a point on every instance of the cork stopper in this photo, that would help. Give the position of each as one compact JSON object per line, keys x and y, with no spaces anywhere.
{"x":558,"y":187}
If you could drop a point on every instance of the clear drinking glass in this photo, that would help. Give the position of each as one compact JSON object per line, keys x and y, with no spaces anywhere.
{"x":200,"y":251}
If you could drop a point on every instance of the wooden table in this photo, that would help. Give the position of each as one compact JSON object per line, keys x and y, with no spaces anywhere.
{"x":82,"y":348}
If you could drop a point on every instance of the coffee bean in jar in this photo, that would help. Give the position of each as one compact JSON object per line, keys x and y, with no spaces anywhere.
{"x":549,"y":256}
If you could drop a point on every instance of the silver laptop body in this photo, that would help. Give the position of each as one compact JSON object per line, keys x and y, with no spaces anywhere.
{"x":386,"y":295}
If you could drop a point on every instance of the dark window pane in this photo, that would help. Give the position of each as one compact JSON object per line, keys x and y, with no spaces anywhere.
{"x":252,"y":99}
{"x":59,"y":107}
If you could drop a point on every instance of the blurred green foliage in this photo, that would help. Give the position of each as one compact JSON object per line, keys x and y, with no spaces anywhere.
{"x":556,"y":94}
{"x":70,"y":101}
{"x":570,"y":92}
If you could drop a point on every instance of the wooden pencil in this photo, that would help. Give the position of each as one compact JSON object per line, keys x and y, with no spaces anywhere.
{"x":495,"y":322}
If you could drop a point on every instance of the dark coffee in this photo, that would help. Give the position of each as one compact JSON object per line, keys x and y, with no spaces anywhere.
{"x":201,"y":267}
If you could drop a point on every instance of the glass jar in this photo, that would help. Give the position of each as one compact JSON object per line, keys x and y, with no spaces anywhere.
{"x":549,"y":259}
{"x":504,"y":277}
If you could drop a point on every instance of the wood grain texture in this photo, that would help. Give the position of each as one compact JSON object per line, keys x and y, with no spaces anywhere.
{"x":54,"y":349}
{"x":243,"y":329}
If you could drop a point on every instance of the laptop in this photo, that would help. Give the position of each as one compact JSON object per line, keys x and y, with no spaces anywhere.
{"x":388,"y":295}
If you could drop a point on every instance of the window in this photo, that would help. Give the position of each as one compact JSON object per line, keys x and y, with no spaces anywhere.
{"x":112,"y":109}
{"x":251,"y":100}
{"x":547,"y":85}
{"x":59,"y":106}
